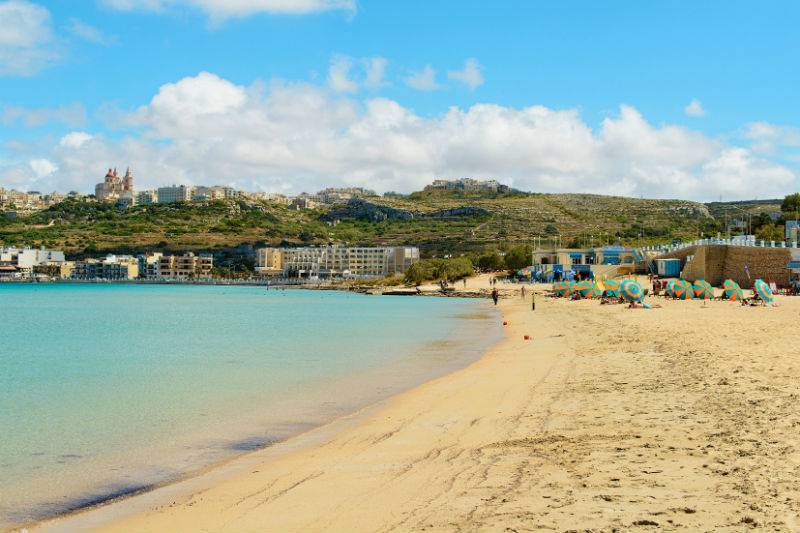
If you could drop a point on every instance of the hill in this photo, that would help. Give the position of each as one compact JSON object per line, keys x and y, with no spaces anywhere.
{"x":439,"y":223}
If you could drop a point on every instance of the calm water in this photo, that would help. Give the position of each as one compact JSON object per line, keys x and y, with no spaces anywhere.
{"x":109,"y":389}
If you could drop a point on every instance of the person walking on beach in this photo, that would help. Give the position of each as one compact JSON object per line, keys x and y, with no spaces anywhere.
{"x":495,"y":296}
{"x":533,"y":301}
{"x":522,"y":291}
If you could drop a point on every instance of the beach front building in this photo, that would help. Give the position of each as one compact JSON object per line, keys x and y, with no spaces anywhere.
{"x":150,"y":265}
{"x":336,"y":261}
{"x":606,"y":260}
{"x":26,"y":259}
{"x":113,"y":267}
{"x":187,"y":266}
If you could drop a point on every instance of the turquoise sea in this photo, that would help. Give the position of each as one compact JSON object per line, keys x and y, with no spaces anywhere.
{"x":109,"y":389}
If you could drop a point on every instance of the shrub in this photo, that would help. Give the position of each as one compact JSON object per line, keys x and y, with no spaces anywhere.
{"x":439,"y":269}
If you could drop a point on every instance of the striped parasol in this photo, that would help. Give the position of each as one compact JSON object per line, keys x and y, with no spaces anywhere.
{"x":631,"y":291}
{"x":764,"y":292}
{"x":703,"y":290}
{"x":732,"y":291}
{"x":571,"y":287}
{"x":560,"y":288}
{"x":682,"y":290}
{"x":671,"y":287}
{"x":611,"y":288}
{"x":589,"y":289}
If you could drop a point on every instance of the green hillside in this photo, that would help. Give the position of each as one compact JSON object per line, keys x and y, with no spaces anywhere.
{"x":438,"y":223}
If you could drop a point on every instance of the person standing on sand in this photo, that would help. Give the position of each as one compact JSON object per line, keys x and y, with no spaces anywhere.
{"x":465,"y":283}
{"x":495,"y":296}
{"x":533,"y":301}
{"x":522,"y":291}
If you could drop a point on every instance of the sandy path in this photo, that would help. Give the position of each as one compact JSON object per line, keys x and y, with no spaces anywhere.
{"x":685,"y":417}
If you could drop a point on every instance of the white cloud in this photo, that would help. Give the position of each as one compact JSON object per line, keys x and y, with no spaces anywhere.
{"x":26,"y":38}
{"x":694,"y":108}
{"x":471,"y":75}
{"x":88,"y":32}
{"x":205,"y":129}
{"x":75,"y":139}
{"x":766,"y":137}
{"x":223,"y":9}
{"x":375,"y":69}
{"x":339,"y":75}
{"x":70,"y":115}
{"x":423,"y":80}
{"x":42,"y":167}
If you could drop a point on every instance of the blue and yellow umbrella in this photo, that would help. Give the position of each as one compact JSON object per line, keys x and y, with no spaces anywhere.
{"x":703,"y":290}
{"x":611,"y":288}
{"x":631,"y":291}
{"x":764,"y":292}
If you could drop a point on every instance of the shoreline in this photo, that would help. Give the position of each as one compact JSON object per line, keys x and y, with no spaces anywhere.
{"x":191,"y":480}
{"x":677,"y":417}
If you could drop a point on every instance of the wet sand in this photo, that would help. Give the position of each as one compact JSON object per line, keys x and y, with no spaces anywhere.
{"x":680,"y":418}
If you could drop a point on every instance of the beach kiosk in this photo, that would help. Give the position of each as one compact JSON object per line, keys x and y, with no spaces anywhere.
{"x":668,"y":268}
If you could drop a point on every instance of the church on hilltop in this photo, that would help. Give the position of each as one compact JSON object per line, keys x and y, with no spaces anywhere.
{"x":115,"y":189}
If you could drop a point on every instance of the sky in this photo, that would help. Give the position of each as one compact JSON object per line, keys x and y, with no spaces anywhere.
{"x":680,"y":99}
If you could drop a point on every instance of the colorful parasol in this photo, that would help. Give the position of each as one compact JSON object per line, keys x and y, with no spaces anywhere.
{"x":589,"y":289}
{"x":682,"y":290}
{"x":731,"y":289}
{"x":764,"y":292}
{"x":631,"y":291}
{"x":703,"y":290}
{"x":611,"y":288}
{"x":560,"y":288}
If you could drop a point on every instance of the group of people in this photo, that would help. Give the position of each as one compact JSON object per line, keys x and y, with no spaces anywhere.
{"x":496,"y":294}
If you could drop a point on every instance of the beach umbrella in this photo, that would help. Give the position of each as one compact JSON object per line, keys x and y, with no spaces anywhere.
{"x":671,"y":287}
{"x":764,"y":292}
{"x":682,"y":290}
{"x":589,"y":289}
{"x":703,"y":290}
{"x":732,"y":290}
{"x":571,"y":286}
{"x":631,"y":291}
{"x":560,"y":288}
{"x":734,"y":295}
{"x":611,"y":288}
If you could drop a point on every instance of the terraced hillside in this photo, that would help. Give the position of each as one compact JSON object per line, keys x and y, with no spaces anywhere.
{"x":438,"y":223}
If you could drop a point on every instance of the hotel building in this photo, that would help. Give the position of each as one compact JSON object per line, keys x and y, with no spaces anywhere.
{"x":174,"y":193}
{"x":187,"y":266}
{"x":113,"y":267}
{"x":336,"y":261}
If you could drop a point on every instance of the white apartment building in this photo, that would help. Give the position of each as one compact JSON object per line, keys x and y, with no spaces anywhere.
{"x":336,"y":261}
{"x":174,"y":193}
{"x":25,"y":259}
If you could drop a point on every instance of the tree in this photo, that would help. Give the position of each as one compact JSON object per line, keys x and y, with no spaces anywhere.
{"x":770,"y":232}
{"x":519,"y":257}
{"x":791,"y":203}
{"x":491,"y":262}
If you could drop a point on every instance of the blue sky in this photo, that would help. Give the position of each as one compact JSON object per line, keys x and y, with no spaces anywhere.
{"x":101,"y":64}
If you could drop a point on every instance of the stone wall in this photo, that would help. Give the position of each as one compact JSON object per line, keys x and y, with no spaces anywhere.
{"x":768,"y":264}
{"x":716,"y":263}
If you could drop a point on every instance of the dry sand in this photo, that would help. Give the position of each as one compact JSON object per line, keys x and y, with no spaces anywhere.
{"x":680,"y":418}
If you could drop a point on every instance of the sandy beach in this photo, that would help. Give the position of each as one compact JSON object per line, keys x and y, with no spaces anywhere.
{"x":679,"y":418}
